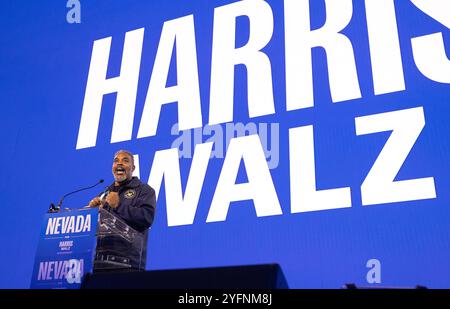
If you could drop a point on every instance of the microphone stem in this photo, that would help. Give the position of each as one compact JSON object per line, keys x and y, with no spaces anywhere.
{"x":60,"y":202}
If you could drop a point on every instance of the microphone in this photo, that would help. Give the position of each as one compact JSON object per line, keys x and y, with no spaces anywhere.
{"x":56,"y":208}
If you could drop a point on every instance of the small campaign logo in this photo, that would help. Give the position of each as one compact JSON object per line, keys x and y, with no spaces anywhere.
{"x":65,"y":245}
{"x":130,"y":194}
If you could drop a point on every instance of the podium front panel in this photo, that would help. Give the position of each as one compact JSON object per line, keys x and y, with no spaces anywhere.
{"x":66,"y":249}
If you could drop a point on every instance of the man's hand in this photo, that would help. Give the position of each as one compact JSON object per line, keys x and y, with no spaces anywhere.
{"x":113,"y":199}
{"x":95,"y":202}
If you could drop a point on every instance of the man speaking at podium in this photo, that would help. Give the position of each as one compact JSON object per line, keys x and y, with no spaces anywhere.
{"x":127,"y":197}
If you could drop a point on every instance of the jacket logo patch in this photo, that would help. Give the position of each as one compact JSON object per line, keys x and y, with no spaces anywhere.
{"x":130,"y":194}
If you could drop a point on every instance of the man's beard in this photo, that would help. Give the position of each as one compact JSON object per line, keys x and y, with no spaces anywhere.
{"x":120,"y":178}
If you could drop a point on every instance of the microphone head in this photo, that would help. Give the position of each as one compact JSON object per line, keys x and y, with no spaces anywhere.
{"x":101,"y":181}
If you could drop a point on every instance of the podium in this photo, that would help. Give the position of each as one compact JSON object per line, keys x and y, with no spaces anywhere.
{"x":73,"y":243}
{"x":118,"y":245}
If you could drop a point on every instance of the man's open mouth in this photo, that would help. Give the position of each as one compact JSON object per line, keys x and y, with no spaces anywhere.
{"x":120,"y":171}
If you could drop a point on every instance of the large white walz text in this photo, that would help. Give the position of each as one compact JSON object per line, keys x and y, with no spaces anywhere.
{"x":379,"y":187}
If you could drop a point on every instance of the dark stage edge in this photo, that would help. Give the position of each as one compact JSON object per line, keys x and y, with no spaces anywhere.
{"x":267,"y":276}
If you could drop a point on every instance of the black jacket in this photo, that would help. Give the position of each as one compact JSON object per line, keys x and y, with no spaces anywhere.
{"x":137,"y":204}
{"x":137,"y":208}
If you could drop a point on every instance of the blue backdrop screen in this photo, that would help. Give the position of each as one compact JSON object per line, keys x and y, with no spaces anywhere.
{"x":313,"y":134}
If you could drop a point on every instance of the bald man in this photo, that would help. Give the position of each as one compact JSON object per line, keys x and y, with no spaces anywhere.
{"x":132,"y":201}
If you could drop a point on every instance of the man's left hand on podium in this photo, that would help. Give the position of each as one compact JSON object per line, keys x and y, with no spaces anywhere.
{"x":95,"y":202}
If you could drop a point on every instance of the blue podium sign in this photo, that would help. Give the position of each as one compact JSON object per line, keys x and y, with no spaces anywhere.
{"x":66,"y":249}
